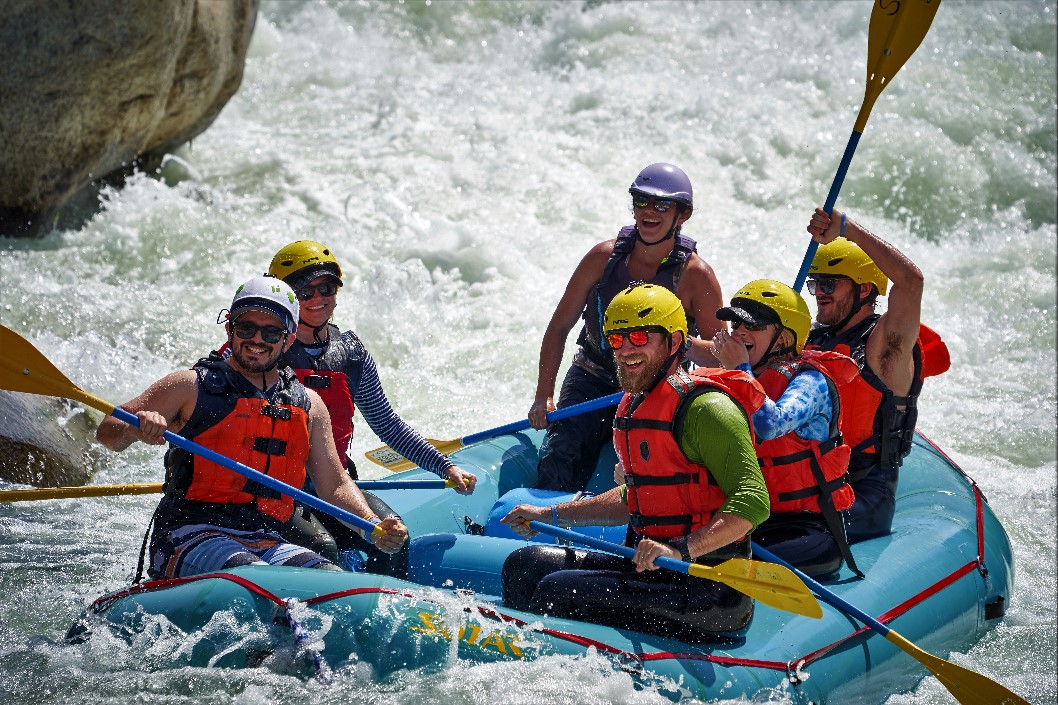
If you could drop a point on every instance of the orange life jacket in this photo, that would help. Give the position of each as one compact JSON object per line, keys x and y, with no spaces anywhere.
{"x":798,"y":471}
{"x":878,"y":432}
{"x":668,"y":495}
{"x":269,"y":435}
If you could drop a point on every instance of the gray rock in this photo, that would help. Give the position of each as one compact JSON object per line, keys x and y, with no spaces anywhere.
{"x":45,"y":442}
{"x":91,"y":90}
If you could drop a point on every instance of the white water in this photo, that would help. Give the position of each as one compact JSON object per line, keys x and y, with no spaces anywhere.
{"x":461,"y":158}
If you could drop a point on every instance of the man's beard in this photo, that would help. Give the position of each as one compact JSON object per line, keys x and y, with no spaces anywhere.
{"x":251,"y":366}
{"x":839,"y":309}
{"x":642,"y":378}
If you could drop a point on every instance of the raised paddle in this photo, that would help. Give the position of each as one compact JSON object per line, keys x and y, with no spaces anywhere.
{"x":968,"y":687}
{"x":770,"y":584}
{"x":395,"y":462}
{"x":897,"y":28}
{"x":152,"y":487}
{"x":23,"y":368}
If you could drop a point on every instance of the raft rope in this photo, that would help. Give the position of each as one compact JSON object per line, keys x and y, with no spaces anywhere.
{"x":791,"y":667}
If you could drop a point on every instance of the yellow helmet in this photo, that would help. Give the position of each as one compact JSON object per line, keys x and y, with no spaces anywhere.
{"x":765,"y":301}
{"x":842,"y":258}
{"x":300,"y":262}
{"x":643,"y":306}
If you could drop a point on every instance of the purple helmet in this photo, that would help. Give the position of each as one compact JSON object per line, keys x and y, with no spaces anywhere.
{"x":664,"y":181}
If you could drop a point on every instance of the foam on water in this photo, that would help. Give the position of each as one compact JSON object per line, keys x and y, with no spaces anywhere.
{"x":460,"y":158}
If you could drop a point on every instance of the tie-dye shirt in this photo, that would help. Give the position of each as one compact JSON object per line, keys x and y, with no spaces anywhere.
{"x":804,"y":408}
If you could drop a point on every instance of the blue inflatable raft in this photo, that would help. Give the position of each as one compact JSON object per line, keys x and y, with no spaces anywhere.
{"x":941,"y":579}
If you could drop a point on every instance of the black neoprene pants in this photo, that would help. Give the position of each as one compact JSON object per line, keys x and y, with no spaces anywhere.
{"x":603,"y":589}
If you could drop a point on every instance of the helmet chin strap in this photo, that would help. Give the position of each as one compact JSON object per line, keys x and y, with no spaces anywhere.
{"x":668,"y":236}
{"x":857,"y":304}
{"x":773,"y":353}
{"x":664,"y":371}
{"x":316,"y":330}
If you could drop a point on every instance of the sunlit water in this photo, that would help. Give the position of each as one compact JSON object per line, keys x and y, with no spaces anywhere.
{"x":460,"y":158}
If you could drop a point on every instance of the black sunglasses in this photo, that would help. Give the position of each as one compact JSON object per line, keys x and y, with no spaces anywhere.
{"x":751,"y":327}
{"x":269,"y":334}
{"x":304,"y":293}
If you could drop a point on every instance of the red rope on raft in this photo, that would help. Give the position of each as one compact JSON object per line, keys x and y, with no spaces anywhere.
{"x":106,"y":601}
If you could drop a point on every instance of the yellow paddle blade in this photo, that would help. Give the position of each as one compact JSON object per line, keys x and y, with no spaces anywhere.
{"x":897,"y":28}
{"x":395,"y":462}
{"x":81,"y":491}
{"x":968,"y":687}
{"x":771,"y":584}
{"x":24,"y":369}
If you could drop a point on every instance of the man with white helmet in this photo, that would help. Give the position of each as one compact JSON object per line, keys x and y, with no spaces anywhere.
{"x":249,"y":409}
{"x":894,"y":351}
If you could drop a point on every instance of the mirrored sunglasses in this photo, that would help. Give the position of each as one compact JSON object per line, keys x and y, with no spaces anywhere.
{"x":660,"y":204}
{"x":638,"y":338}
{"x":304,"y":293}
{"x":825,"y":284}
{"x":269,"y":334}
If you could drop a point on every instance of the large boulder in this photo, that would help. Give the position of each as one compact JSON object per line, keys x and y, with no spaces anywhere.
{"x":91,"y":90}
{"x":45,"y":442}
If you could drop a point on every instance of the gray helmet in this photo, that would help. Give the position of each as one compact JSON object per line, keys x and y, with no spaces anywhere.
{"x":664,"y":181}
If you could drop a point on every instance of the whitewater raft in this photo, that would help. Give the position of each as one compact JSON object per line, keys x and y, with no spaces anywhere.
{"x":941,"y":579}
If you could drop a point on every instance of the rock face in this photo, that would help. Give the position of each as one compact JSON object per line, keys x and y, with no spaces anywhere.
{"x":44,"y":442}
{"x":92,"y":89}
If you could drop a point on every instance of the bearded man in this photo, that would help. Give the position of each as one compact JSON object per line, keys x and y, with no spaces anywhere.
{"x":894,"y":351}
{"x":693,"y":490}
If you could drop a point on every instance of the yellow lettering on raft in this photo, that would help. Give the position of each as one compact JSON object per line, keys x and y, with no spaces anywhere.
{"x":468,"y":634}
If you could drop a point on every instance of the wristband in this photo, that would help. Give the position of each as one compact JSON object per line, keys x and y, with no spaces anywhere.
{"x":554,"y":515}
{"x":841,"y":233}
{"x":364,"y":534}
{"x":680,"y":544}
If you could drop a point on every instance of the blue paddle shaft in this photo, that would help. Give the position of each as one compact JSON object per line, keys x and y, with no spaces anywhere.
{"x":832,"y":198}
{"x":824,"y":594}
{"x":556,"y":415}
{"x":259,"y":477}
{"x":560,"y":533}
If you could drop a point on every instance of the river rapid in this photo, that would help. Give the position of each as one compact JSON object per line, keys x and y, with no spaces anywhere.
{"x":460,"y":158}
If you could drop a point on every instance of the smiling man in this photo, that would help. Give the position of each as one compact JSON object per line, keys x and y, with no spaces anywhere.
{"x":652,"y":250}
{"x":248,"y":408}
{"x":851,"y":269}
{"x":693,"y":490}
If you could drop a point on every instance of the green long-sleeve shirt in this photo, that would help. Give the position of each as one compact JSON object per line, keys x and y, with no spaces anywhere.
{"x":715,"y":434}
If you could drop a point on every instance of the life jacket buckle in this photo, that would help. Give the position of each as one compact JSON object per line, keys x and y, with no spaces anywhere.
{"x":276,"y":412}
{"x":317,"y":382}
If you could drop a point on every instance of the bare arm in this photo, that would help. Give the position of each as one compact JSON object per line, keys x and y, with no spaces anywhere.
{"x":334,"y":485}
{"x":164,"y":406}
{"x":889,"y":349}
{"x":699,"y":290}
{"x":607,"y":509}
{"x":566,"y":315}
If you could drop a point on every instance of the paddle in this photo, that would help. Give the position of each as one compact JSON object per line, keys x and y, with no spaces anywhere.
{"x":23,"y":368}
{"x":897,"y":28}
{"x":149,"y":488}
{"x":770,"y":584}
{"x":395,"y":462}
{"x":968,"y":687}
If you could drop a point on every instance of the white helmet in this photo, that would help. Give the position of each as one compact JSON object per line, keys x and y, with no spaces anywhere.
{"x":267,"y":294}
